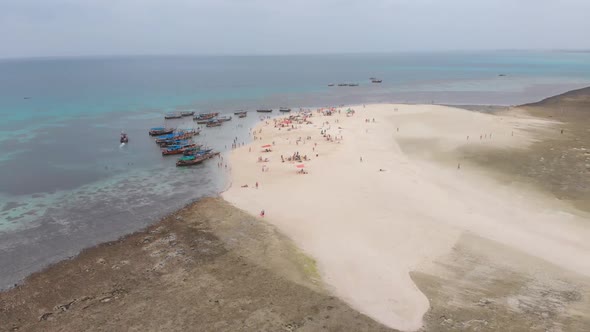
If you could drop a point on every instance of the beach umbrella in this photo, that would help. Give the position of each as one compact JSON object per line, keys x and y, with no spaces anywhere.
{"x":267,"y":146}
{"x":300,"y":166}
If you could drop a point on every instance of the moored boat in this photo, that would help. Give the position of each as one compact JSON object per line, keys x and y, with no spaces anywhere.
{"x":175,"y":115}
{"x":195,"y":160}
{"x":213,"y":123}
{"x":176,"y":149}
{"x":156,"y":131}
{"x":223,"y":118}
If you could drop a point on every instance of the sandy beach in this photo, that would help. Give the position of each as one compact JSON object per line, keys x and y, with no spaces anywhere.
{"x":389,"y":195}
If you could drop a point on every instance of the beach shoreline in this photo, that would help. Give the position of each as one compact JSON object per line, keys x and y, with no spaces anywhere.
{"x":365,"y":247}
{"x":436,"y":280}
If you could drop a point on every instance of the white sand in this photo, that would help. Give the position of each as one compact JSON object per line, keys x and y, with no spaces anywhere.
{"x":368,"y":229}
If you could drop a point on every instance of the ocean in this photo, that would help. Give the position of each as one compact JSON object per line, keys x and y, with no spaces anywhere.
{"x":67,"y":184}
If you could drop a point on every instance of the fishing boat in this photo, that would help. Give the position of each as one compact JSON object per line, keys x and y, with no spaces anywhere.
{"x":284,"y":109}
{"x":223,"y":118}
{"x":176,"y":149}
{"x":187,"y":113}
{"x":196,"y":151}
{"x":171,"y":142}
{"x":264,"y":110}
{"x":124,"y":138}
{"x":195,"y":160}
{"x":376,"y":81}
{"x":205,"y":116}
{"x":213,"y":123}
{"x":169,"y":116}
{"x":157,"y":131}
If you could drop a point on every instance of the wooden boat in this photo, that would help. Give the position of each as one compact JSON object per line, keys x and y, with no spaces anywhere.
{"x":223,"y":118}
{"x":264,"y":110}
{"x":195,"y":160}
{"x":176,"y":149}
{"x":181,"y":135}
{"x":284,"y":109}
{"x":196,"y":151}
{"x":376,"y":81}
{"x":187,"y":113}
{"x":205,"y":116}
{"x":238,"y":112}
{"x":169,"y":116}
{"x":157,"y":131}
{"x":213,"y":123}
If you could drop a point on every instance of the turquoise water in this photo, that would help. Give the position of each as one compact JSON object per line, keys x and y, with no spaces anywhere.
{"x":65,"y":183}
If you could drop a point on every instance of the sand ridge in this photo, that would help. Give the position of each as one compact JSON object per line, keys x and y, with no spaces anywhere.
{"x":368,"y":229}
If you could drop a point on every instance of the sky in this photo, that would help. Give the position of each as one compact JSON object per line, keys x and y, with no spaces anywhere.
{"x":36,"y":28}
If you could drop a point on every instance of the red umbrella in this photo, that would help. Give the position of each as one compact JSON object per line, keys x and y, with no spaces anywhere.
{"x":267,"y":146}
{"x":300,"y":166}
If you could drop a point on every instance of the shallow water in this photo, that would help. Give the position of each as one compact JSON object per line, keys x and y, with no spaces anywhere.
{"x":66,"y":183}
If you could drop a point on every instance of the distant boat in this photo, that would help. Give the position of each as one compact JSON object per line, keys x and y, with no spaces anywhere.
{"x":187,"y":113}
{"x":157,"y":131}
{"x":284,"y":109}
{"x":172,"y":116}
{"x":195,"y":160}
{"x":213,"y":123}
{"x":205,"y":116}
{"x":264,"y":110}
{"x":376,"y":81}
{"x":223,"y":118}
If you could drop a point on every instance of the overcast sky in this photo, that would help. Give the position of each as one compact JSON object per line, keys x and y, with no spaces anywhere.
{"x":114,"y":27}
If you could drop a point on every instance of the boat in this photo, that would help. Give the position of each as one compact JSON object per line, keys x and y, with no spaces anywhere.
{"x":238,"y":112}
{"x":157,"y":131}
{"x":187,"y":113}
{"x":124,"y":138}
{"x":223,"y":118}
{"x":264,"y":110}
{"x":284,"y":109}
{"x":196,"y":151}
{"x":169,"y":116}
{"x":176,"y":149}
{"x":180,"y":135}
{"x":195,"y":160}
{"x":171,"y":142}
{"x":376,"y":81}
{"x":205,"y":116}
{"x":213,"y":123}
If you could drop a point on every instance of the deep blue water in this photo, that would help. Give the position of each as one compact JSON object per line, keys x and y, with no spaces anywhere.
{"x":65,"y":183}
